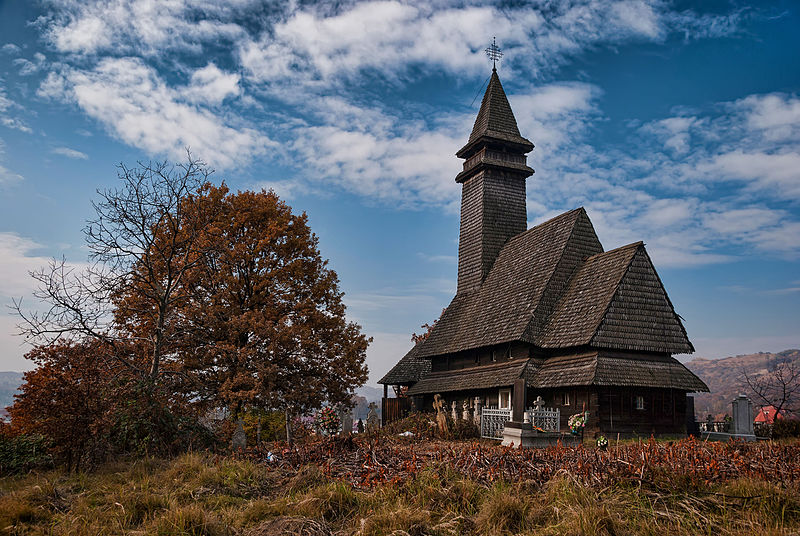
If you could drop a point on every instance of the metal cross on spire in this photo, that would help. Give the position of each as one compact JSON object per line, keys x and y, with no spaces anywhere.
{"x":494,"y":53}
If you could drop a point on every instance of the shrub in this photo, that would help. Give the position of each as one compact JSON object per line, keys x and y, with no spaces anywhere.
{"x":21,"y":453}
{"x":786,"y":428}
{"x":144,"y":422}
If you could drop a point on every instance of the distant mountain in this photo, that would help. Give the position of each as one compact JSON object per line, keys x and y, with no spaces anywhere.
{"x":9,"y":383}
{"x":372,"y":394}
{"x":725,"y":379}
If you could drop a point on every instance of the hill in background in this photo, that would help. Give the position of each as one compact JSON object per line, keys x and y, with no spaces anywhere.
{"x":725,"y":379}
{"x":9,"y":383}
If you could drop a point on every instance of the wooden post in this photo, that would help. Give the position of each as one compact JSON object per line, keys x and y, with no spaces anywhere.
{"x":518,"y":400}
{"x":289,"y":440}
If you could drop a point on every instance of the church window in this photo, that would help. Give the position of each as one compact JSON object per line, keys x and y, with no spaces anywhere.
{"x":639,"y":402}
{"x":565,"y":401}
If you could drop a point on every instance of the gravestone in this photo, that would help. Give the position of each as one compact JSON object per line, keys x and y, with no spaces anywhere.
{"x":346,"y":419}
{"x":239,"y":439}
{"x":538,"y":403}
{"x":360,"y":426}
{"x":373,"y":421}
{"x":454,"y":412}
{"x":478,"y":403}
{"x":742,"y":415}
{"x":465,"y":413}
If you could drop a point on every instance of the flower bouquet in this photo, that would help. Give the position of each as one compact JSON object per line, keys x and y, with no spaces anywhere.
{"x":328,"y":421}
{"x":602,"y":443}
{"x":576,"y":423}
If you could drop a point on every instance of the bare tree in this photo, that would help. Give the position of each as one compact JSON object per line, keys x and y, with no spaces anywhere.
{"x":144,"y":238}
{"x":778,"y":386}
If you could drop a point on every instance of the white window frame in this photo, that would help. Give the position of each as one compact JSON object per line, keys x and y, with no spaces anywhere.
{"x":640,"y":402}
{"x":565,"y":399}
{"x":500,"y":398}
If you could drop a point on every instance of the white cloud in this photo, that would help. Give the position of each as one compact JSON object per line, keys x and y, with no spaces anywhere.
{"x":70,"y":153}
{"x":316,"y":45}
{"x":146,"y":28}
{"x":305,"y":57}
{"x":6,"y":105}
{"x":16,"y":262}
{"x":136,"y":105}
{"x":775,"y":173}
{"x":27,"y":67}
{"x":211,"y":85}
{"x":11,"y":49}
{"x":6,"y":176}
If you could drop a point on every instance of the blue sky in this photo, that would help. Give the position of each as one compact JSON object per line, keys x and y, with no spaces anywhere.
{"x":673,"y":123}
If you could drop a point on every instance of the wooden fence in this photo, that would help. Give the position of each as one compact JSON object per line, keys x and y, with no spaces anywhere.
{"x":394,"y":409}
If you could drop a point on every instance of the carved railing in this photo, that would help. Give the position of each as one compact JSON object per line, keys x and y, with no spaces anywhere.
{"x":547,"y":419}
{"x":493,"y":421}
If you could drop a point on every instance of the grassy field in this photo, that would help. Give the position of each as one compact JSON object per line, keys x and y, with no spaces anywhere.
{"x":421,"y":488}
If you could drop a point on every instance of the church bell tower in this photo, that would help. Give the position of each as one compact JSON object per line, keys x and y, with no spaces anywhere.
{"x":492,"y":187}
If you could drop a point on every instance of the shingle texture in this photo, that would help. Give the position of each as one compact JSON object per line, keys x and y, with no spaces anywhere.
{"x":495,"y":118}
{"x":492,"y":211}
{"x":408,"y":370}
{"x":641,"y":316}
{"x":616,"y":300}
{"x":614,"y":369}
{"x":523,"y":285}
{"x":496,"y":375}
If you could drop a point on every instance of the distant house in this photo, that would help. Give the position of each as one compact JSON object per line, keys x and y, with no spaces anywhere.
{"x":768,"y":415}
{"x":587,"y":329}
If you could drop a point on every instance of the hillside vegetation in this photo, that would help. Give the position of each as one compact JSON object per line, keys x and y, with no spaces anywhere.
{"x":725,"y":379}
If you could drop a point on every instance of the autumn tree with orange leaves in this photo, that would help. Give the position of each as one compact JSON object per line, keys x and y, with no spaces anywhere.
{"x":145,"y":236}
{"x":65,"y":399}
{"x":263,"y":325}
{"x":196,"y":297}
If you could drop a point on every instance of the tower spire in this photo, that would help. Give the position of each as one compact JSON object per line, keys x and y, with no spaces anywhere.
{"x":492,"y":186}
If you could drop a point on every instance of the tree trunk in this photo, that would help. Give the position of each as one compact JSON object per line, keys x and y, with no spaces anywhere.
{"x":289,"y":439}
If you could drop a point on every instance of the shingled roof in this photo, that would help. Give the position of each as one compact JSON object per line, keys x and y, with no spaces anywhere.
{"x":616,"y":300}
{"x":528,"y":277}
{"x":614,"y":369}
{"x":496,"y":375}
{"x":408,"y":370}
{"x":495,"y":119}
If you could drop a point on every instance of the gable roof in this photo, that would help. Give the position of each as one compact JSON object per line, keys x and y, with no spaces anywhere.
{"x":553,"y":286}
{"x":521,"y":289}
{"x":616,"y":300}
{"x":408,"y":370}
{"x":495,"y":119}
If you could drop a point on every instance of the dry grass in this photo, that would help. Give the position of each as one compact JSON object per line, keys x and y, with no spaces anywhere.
{"x":197,"y":494}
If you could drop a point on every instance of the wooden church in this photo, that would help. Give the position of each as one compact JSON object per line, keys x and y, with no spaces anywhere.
{"x":587,"y":329}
